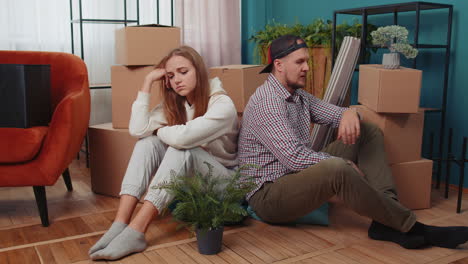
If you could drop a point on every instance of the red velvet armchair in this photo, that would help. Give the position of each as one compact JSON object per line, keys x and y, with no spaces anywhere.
{"x":37,"y":156}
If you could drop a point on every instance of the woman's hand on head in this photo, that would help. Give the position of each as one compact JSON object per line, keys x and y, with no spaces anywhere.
{"x":155,"y":75}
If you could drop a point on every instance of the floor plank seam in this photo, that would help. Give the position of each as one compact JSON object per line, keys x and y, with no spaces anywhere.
{"x":39,"y":255}
{"x":38,"y":222}
{"x":452,"y":257}
{"x":51,"y":241}
{"x":310,"y":255}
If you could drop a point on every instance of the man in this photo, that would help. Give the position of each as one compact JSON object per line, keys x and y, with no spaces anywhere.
{"x":292,"y":179}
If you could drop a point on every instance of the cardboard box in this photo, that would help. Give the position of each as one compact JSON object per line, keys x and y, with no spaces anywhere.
{"x":145,"y":44}
{"x":25,"y":95}
{"x":109,"y":152}
{"x":413,"y":183}
{"x":126,"y":82}
{"x":389,"y":91}
{"x":239,"y":81}
{"x":402,"y":133}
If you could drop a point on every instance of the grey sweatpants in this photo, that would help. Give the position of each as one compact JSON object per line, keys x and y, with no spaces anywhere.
{"x":151,"y":157}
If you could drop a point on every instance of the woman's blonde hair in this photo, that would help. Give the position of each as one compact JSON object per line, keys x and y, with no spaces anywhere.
{"x":174,"y":109}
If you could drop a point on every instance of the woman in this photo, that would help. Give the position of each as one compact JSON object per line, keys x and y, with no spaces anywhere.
{"x":196,"y":123}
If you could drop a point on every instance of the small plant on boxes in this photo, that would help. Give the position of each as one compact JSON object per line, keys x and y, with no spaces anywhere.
{"x":205,"y":202}
{"x":395,"y":38}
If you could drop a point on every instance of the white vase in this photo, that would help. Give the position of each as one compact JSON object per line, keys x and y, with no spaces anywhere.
{"x":391,"y":60}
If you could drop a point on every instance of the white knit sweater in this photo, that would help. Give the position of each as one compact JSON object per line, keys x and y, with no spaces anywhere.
{"x":216,"y":131}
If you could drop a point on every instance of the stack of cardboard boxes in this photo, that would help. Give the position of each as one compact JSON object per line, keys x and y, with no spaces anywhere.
{"x":390,"y":99}
{"x":138,"y":49}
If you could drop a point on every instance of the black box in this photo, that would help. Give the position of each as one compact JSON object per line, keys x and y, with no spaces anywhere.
{"x":24,"y":95}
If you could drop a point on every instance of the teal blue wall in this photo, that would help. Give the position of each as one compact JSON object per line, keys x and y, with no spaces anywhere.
{"x":256,"y":13}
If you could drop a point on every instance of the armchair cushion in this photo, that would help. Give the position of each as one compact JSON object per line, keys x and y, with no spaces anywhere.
{"x":20,"y":145}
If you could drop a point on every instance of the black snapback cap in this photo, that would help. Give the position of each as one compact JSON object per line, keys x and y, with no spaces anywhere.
{"x":281,"y":47}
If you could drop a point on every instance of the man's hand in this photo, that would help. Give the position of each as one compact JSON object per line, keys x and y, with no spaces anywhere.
{"x":349,"y":129}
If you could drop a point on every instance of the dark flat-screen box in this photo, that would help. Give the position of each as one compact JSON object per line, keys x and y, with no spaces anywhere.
{"x":24,"y":95}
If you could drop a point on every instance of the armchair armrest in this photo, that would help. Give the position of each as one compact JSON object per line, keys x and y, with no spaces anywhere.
{"x":66,"y":132}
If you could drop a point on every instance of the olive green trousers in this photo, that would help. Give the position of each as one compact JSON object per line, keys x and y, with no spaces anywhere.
{"x":374,"y":195}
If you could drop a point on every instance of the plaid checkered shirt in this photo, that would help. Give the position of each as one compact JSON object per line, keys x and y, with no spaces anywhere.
{"x":275,"y":132}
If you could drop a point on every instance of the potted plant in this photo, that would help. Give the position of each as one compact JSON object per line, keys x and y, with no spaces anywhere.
{"x":204,"y":203}
{"x":395,"y":38}
{"x":317,"y":35}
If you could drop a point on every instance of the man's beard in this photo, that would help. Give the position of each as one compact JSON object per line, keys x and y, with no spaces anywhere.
{"x":294,"y":85}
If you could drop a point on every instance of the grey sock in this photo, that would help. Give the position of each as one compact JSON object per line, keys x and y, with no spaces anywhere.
{"x":127,"y":242}
{"x":113,"y":231}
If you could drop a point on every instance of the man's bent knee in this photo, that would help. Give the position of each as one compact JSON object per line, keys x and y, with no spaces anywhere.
{"x":337,"y":170}
{"x":334,"y":164}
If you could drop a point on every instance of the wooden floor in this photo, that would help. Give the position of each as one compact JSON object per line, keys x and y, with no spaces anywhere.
{"x":80,"y":217}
